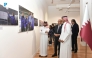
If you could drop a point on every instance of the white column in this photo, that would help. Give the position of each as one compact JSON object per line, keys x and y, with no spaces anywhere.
{"x":46,"y":16}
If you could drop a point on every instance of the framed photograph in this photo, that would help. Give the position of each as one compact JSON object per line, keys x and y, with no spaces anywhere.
{"x":26,"y":19}
{"x":35,"y":22}
{"x":40,"y":23}
{"x":8,"y":16}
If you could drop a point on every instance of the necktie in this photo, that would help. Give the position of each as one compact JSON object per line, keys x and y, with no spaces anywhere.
{"x":58,"y":28}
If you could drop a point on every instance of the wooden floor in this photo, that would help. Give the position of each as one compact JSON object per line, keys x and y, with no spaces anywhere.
{"x":79,"y":54}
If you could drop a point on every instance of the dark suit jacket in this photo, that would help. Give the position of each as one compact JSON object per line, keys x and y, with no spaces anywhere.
{"x":75,"y":29}
{"x":59,"y":30}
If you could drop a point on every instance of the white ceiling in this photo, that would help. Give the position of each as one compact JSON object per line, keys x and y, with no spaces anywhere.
{"x":65,"y":4}
{"x":55,"y":2}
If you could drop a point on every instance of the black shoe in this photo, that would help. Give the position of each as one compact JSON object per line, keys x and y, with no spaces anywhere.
{"x":54,"y":55}
{"x":72,"y":50}
{"x":40,"y":56}
{"x":75,"y":51}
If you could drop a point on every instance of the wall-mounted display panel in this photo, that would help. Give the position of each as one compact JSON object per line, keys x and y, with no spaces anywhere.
{"x":35,"y":22}
{"x":40,"y":23}
{"x":8,"y":16}
{"x":26,"y":19}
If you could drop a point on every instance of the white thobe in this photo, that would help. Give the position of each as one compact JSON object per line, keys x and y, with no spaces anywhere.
{"x":65,"y":47}
{"x":43,"y":41}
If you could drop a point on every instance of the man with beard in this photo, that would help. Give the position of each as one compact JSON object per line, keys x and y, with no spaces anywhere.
{"x":44,"y":40}
{"x":75,"y":30}
{"x":65,"y":39}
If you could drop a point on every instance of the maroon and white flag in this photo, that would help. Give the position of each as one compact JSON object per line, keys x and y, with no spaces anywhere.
{"x":86,"y":31}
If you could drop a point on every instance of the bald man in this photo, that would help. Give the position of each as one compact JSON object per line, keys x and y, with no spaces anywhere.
{"x":57,"y":32}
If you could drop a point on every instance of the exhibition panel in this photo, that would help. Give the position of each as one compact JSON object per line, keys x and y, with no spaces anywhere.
{"x":35,"y":22}
{"x":8,"y":16}
{"x":40,"y":23}
{"x":26,"y":19}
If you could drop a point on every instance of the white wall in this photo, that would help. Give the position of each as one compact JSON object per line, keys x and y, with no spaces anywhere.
{"x":54,"y":14}
{"x":21,"y":45}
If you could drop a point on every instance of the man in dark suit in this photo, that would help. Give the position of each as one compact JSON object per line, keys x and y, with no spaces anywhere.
{"x":57,"y":32}
{"x":75,"y":30}
{"x":53,"y":26}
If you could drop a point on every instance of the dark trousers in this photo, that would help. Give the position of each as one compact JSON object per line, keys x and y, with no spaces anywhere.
{"x":74,"y":43}
{"x":50,"y":42}
{"x":26,"y":27}
{"x":29,"y":26}
{"x":22,"y":29}
{"x":51,"y":37}
{"x":56,"y":44}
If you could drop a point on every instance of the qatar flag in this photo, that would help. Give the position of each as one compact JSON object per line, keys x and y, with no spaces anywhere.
{"x":86,"y":31}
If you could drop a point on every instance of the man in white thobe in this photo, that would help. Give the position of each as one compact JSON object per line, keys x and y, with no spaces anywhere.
{"x":44,"y":40}
{"x":65,"y":39}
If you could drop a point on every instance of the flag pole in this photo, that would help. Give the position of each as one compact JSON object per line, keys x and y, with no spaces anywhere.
{"x":86,"y":44}
{"x":86,"y":51}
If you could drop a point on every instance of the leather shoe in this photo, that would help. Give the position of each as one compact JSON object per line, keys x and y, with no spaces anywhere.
{"x":72,"y":50}
{"x":40,"y":56}
{"x":54,"y":55}
{"x":75,"y":51}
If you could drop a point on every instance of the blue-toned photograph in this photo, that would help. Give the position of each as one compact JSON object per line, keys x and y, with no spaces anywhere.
{"x":26,"y":19}
{"x":35,"y":22}
{"x":8,"y":16}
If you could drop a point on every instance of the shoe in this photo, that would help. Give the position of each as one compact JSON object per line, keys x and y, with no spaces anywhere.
{"x":40,"y":56}
{"x":46,"y":56}
{"x":54,"y":55}
{"x":75,"y":51}
{"x":72,"y":50}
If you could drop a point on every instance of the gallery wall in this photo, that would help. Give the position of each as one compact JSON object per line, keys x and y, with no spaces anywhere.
{"x":25,"y":44}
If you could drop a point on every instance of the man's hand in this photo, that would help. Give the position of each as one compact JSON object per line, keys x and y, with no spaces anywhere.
{"x":56,"y":35}
{"x":61,"y":41}
{"x":46,"y":32}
